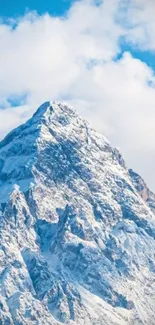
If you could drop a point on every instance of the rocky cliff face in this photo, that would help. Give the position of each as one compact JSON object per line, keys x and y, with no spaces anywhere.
{"x":77,"y":228}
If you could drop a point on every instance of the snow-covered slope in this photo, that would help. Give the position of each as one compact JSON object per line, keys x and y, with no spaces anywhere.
{"x":77,"y":228}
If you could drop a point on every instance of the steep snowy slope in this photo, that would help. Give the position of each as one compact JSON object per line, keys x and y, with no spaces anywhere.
{"x":77,"y":228}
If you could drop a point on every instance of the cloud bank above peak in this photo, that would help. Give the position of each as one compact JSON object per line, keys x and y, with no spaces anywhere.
{"x":78,"y":58}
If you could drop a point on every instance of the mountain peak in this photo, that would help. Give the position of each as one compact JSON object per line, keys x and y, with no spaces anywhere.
{"x":53,"y":124}
{"x":42,"y":109}
{"x":50,"y":108}
{"x":77,"y":228}
{"x":44,"y":113}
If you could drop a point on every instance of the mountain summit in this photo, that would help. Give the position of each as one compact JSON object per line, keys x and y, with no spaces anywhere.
{"x":77,"y":228}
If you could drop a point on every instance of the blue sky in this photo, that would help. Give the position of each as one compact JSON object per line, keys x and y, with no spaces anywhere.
{"x":99,"y":57}
{"x":144,"y":55}
{"x":12,"y":8}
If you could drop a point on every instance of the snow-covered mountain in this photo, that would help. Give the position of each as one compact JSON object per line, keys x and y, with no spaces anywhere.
{"x":77,"y":228}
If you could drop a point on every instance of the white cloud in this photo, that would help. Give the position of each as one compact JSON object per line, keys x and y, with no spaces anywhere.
{"x":45,"y":54}
{"x":140,"y":17}
{"x":71,"y":58}
{"x":12,"y":117}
